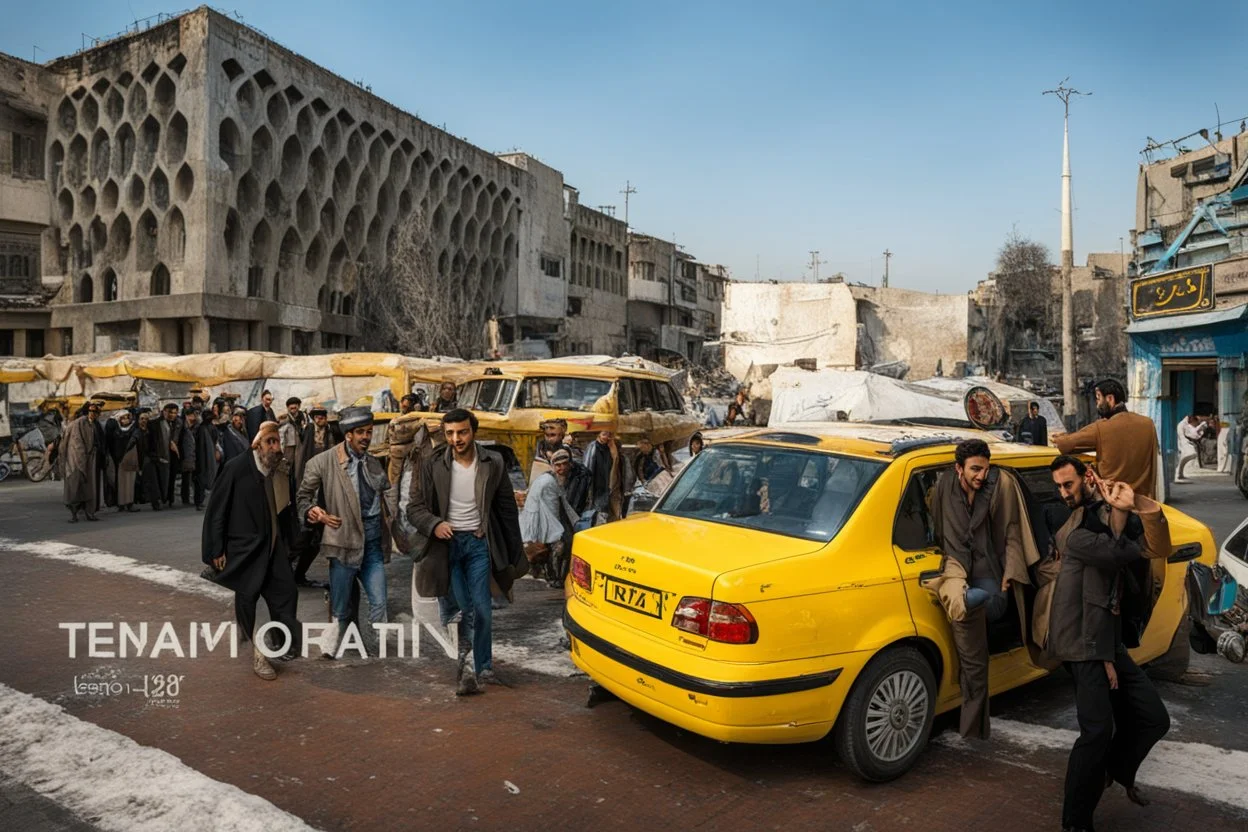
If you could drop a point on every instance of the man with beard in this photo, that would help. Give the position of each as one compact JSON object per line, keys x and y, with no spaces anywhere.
{"x":248,"y":526}
{"x":1096,"y":605}
{"x":293,"y":423}
{"x":262,"y":412}
{"x":1125,"y":442}
{"x":447,"y":399}
{"x":80,"y":461}
{"x":125,"y":452}
{"x":548,"y":519}
{"x":982,"y":526}
{"x":233,"y":436}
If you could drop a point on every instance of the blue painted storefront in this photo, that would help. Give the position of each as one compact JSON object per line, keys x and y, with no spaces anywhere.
{"x":1165,"y":354}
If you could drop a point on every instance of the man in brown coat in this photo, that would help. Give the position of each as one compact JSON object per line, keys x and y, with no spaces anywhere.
{"x":1125,"y":442}
{"x":80,"y":460}
{"x":466,"y":508}
{"x":986,"y":538}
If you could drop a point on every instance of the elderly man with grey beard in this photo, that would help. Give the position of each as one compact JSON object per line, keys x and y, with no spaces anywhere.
{"x":548,"y":519}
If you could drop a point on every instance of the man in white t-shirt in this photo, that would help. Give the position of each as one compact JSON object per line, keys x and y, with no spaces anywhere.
{"x":467,"y":509}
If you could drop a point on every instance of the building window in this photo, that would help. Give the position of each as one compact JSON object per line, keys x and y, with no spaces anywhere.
{"x":110,"y":285}
{"x":27,"y":157}
{"x":551,"y":266}
{"x":86,"y":290}
{"x":161,"y":283}
{"x":645,"y":269}
{"x":6,"y":342}
{"x":255,"y":281}
{"x":34,"y":343}
{"x":574,"y":307}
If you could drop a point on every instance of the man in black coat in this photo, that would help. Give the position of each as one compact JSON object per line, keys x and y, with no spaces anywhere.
{"x":233,"y":439}
{"x":248,"y":528}
{"x":262,"y":412}
{"x":1033,"y":429}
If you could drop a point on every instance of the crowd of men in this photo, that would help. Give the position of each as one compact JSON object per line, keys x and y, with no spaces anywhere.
{"x":1087,"y":566}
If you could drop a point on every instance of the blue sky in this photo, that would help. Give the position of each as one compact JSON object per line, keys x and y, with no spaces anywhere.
{"x":755,"y":130}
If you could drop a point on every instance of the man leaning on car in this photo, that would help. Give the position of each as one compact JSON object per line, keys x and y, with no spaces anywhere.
{"x":983,"y":530}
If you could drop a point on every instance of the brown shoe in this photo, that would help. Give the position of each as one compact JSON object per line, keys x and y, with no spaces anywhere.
{"x":261,"y":666}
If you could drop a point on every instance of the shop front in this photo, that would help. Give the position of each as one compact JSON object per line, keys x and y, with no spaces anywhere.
{"x":1188,"y":349}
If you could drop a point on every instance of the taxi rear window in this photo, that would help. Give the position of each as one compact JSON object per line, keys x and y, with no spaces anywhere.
{"x":793,"y":492}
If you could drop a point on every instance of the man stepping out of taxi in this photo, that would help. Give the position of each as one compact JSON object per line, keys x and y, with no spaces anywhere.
{"x":983,"y":530}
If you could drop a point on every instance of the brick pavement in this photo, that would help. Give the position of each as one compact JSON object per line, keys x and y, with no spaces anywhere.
{"x":386,"y":745}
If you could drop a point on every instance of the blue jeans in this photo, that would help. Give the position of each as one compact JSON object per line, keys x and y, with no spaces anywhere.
{"x":987,"y":593}
{"x":469,"y":558}
{"x":371,"y":573}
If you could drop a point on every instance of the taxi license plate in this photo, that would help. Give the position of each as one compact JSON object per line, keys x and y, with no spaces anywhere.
{"x":634,"y":597}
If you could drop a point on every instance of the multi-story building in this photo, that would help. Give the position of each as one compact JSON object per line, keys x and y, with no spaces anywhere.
{"x":195,"y":187}
{"x":712,"y":280}
{"x":597,"y":306}
{"x":662,"y":300}
{"x":1188,"y":297}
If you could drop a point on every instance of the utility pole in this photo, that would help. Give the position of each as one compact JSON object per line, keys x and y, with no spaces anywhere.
{"x":628,"y":191}
{"x":887,"y":255}
{"x":1069,"y":410}
{"x":815,"y":263}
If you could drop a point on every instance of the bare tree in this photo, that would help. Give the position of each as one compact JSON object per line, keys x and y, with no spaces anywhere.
{"x":1022,"y":312}
{"x":410,"y":306}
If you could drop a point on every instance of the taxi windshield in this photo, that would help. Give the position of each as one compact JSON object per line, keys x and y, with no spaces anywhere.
{"x":788,"y":491}
{"x":556,"y":393}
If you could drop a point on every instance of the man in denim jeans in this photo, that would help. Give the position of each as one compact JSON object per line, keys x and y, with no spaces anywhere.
{"x":467,"y":509}
{"x":346,"y":490}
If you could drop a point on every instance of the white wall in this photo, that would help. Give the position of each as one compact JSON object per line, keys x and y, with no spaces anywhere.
{"x":778,"y":323}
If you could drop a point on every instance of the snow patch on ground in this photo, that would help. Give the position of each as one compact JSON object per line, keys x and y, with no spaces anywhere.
{"x":115,"y":783}
{"x":541,"y":653}
{"x":119,"y":565}
{"x":1215,"y":774}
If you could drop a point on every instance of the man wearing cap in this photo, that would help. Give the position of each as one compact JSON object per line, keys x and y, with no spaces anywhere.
{"x":80,"y":463}
{"x":262,"y":412}
{"x":548,"y":518}
{"x":346,"y":491}
{"x":248,"y":526}
{"x":292,"y":422}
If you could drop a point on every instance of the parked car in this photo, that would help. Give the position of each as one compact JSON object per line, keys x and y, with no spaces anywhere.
{"x":773,"y":594}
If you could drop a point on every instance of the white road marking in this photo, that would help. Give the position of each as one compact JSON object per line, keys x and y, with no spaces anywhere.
{"x":1204,"y":771}
{"x":115,"y":783}
{"x":102,"y":561}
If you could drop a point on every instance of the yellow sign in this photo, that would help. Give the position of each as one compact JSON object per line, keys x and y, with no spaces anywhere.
{"x":1173,"y":293}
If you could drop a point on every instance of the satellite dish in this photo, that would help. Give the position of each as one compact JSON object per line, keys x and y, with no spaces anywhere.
{"x":984,"y":409}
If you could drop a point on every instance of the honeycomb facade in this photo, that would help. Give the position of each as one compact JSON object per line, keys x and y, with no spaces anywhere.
{"x":220,"y":192}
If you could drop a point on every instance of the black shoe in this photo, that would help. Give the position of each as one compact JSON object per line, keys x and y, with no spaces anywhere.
{"x":489,"y":677}
{"x":73,"y":518}
{"x":199,"y":508}
{"x":467,"y":685}
{"x":90,"y":516}
{"x":157,"y":507}
{"x":132,"y":508}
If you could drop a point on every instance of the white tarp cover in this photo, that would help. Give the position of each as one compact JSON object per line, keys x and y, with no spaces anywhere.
{"x":1014,"y":398}
{"x":804,"y":396}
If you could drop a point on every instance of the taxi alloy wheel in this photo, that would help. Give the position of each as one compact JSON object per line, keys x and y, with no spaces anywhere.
{"x":888,"y":715}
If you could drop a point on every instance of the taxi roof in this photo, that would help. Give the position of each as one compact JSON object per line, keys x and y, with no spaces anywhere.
{"x":873,"y":440}
{"x":529,"y":369}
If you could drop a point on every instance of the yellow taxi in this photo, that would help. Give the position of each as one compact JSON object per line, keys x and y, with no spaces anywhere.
{"x":773,"y":594}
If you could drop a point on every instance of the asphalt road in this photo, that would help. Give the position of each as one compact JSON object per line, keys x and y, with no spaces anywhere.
{"x":383,"y":743}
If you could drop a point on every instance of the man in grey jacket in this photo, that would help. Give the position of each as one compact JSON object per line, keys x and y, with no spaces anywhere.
{"x":346,"y":490}
{"x":466,"y":508}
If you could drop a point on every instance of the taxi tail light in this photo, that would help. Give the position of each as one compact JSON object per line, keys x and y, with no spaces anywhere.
{"x":716,"y":620}
{"x":582,"y":574}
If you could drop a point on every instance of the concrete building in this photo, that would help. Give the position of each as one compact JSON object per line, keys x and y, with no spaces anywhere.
{"x":1188,"y":298}
{"x":662,"y":300}
{"x":204,"y":188}
{"x":712,"y":283}
{"x":25,"y":209}
{"x":835,"y":325}
{"x":597,"y":304}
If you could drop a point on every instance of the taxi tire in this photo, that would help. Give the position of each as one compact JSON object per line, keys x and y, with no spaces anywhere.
{"x":849,"y":736}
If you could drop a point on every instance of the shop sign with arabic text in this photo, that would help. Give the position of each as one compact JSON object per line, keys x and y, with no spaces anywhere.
{"x":1173,"y":293}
